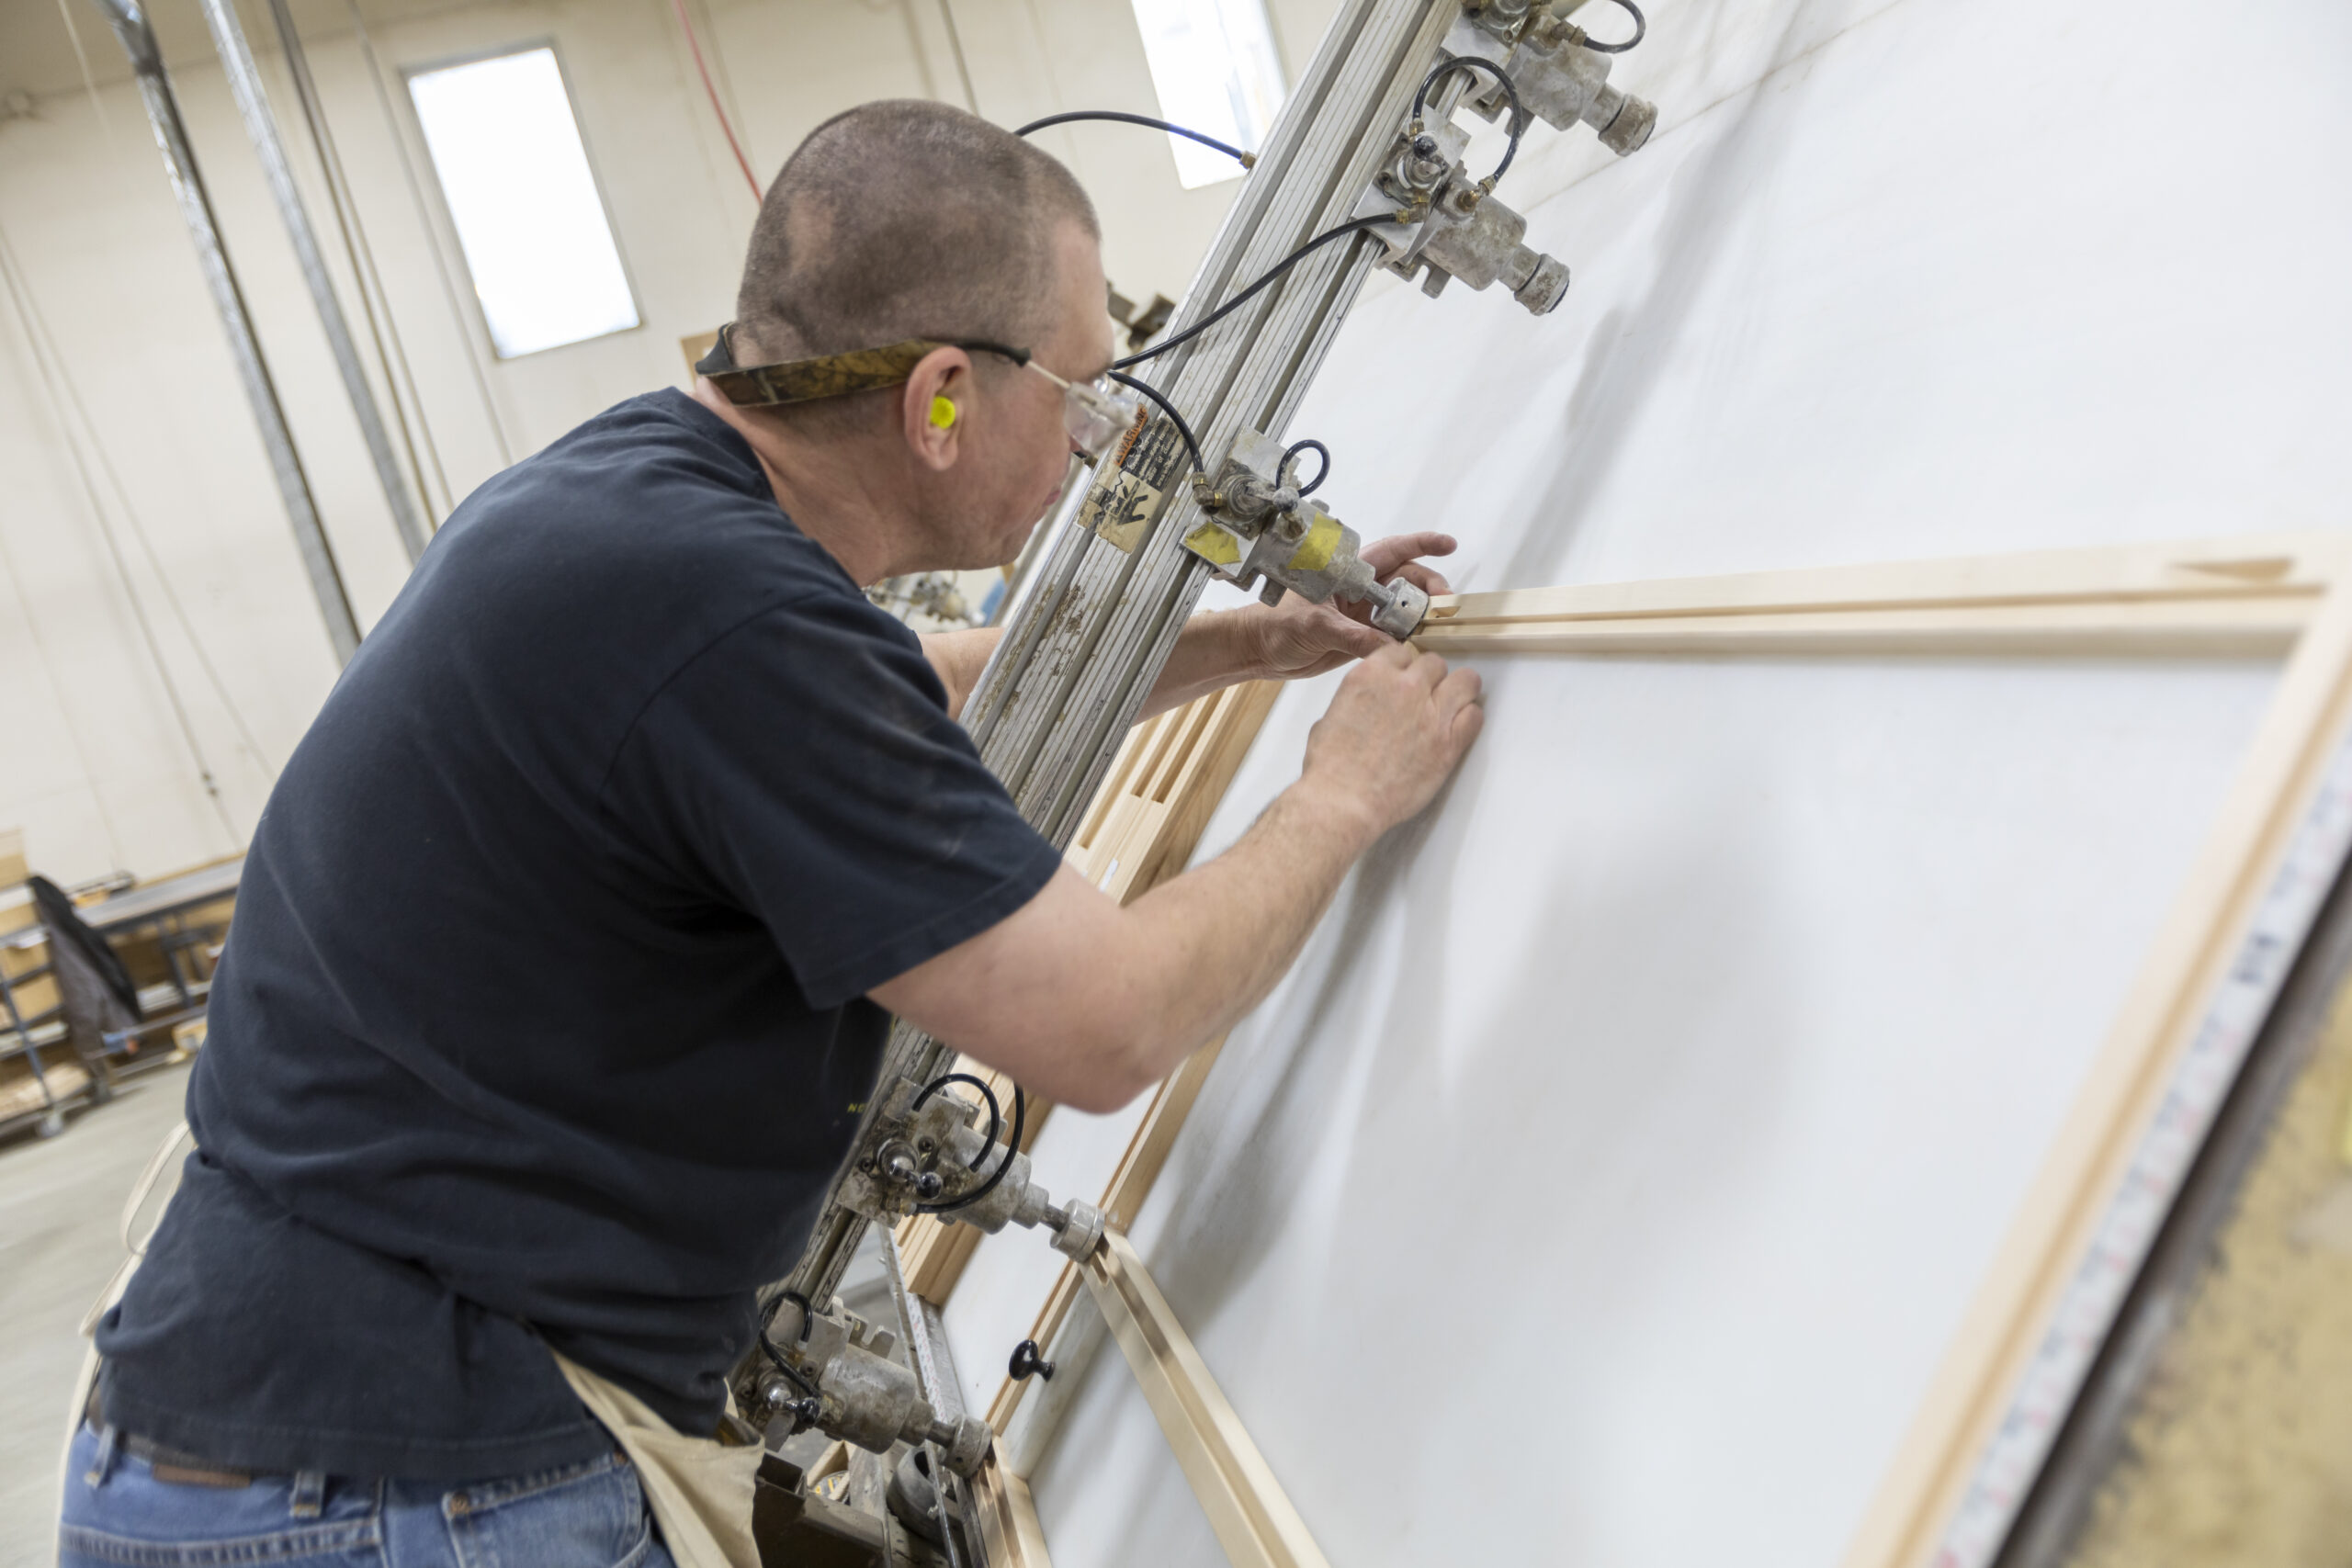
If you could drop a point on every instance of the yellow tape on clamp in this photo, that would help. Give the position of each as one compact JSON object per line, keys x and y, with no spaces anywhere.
{"x":1314,"y":552}
{"x":1212,"y":543}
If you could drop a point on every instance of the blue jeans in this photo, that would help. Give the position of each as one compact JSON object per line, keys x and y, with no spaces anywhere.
{"x":586,"y":1516}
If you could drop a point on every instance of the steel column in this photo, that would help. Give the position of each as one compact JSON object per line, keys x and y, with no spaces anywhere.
{"x":261,"y":126}
{"x":137,"y":40}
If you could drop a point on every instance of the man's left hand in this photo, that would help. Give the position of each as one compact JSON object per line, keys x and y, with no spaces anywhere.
{"x":1295,"y":638}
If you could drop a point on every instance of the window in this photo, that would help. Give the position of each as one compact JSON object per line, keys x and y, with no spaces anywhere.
{"x":503,"y":141}
{"x":1214,"y":65}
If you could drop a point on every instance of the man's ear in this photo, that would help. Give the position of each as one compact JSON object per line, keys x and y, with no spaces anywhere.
{"x":936,"y":407}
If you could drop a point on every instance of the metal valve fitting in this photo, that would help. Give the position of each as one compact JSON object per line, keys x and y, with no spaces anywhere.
{"x":839,"y":1376}
{"x":863,"y":1396}
{"x":1255,"y":524}
{"x":932,"y":1155}
{"x":1556,"y":76}
{"x":1451,"y":226}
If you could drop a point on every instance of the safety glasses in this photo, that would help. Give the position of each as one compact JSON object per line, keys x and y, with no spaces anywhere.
{"x":1097,"y":414}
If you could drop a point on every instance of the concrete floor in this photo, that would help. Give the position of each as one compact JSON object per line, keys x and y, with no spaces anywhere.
{"x":60,"y":1198}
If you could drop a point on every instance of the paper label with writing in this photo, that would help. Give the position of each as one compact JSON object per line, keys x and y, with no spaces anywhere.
{"x":1125,"y":502}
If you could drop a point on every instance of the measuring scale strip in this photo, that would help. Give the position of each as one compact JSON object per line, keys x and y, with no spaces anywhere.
{"x":2136,"y":1213}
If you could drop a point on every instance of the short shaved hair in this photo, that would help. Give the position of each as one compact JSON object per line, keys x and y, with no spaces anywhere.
{"x":905,"y":219}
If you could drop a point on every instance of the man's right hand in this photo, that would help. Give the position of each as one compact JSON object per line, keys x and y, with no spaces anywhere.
{"x":1088,"y":1003}
{"x":1393,"y":735}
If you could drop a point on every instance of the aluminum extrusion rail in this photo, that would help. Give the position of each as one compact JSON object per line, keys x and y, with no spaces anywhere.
{"x":1086,"y":644}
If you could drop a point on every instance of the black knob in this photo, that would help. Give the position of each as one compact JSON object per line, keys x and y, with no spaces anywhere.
{"x":927,"y":1186}
{"x":1425,"y":146}
{"x":1026,"y":1361}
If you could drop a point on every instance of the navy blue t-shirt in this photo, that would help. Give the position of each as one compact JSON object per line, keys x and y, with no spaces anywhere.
{"x":542,"y":1022}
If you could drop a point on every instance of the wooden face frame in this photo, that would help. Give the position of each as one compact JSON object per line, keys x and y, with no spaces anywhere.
{"x":2280,"y":596}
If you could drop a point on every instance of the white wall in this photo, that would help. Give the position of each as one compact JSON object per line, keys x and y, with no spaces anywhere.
{"x":1605,"y":1182}
{"x":93,"y":764}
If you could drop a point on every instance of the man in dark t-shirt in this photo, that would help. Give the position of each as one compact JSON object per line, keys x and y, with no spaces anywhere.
{"x":567,"y":942}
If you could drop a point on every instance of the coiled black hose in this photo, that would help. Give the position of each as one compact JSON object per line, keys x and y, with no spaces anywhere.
{"x":1012,"y":1151}
{"x":1641,"y":26}
{"x":995,"y":1117}
{"x":1169,"y":409}
{"x":1518,"y":125}
{"x":1294,"y":449}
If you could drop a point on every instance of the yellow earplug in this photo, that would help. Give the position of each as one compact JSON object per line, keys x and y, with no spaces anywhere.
{"x":942,"y":414}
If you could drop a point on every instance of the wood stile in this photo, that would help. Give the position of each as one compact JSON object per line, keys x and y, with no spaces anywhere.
{"x":1149,"y":815}
{"x":2247,"y":597}
{"x":2199,"y":628}
{"x":1007,"y":1517}
{"x":1252,"y":1516}
{"x":2252,"y":596}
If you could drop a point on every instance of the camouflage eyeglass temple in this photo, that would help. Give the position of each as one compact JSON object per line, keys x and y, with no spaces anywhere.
{"x":1094,"y":413}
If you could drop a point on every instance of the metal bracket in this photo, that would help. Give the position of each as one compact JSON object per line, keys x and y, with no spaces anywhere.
{"x":1255,"y":524}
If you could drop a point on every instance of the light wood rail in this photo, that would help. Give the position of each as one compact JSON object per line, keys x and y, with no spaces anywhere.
{"x":2243,"y":598}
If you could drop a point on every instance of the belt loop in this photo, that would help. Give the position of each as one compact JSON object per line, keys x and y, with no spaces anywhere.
{"x":102,"y":1463}
{"x":310,"y":1495}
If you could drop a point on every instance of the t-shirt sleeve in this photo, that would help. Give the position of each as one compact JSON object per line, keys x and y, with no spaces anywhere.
{"x":806,"y":765}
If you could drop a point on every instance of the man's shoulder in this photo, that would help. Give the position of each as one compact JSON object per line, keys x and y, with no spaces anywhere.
{"x":655,"y":473}
{"x":655,"y":503}
{"x":655,"y":436}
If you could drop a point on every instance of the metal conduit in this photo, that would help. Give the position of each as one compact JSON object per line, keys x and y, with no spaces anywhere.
{"x":261,"y":126}
{"x":137,"y":40}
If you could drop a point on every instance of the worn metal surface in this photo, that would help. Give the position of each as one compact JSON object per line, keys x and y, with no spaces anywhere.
{"x":935,"y":1369}
{"x":137,"y":39}
{"x":1449,"y":224}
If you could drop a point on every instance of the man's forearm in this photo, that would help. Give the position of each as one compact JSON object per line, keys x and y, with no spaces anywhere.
{"x":957,"y":659}
{"x":1216,"y":939}
{"x":1090,"y":1004}
{"x":1212,"y":651}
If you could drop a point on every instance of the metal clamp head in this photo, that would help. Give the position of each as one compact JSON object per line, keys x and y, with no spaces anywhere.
{"x":1081,"y":1230}
{"x":1402,"y":615}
